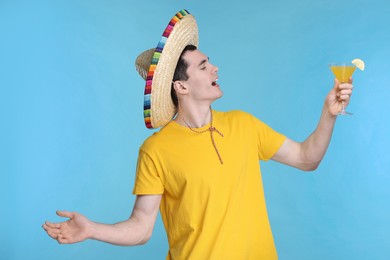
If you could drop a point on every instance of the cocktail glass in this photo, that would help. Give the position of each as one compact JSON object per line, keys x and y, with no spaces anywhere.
{"x":342,"y":71}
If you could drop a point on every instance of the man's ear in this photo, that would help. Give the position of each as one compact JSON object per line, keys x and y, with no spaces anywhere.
{"x":180,"y":87}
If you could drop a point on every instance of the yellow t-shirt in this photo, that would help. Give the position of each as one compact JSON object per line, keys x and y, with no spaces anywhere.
{"x":211,"y":210}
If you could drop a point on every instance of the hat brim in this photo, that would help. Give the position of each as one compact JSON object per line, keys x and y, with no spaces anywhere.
{"x":181,"y":31}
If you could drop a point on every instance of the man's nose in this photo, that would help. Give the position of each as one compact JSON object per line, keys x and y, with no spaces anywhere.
{"x":215,"y":70}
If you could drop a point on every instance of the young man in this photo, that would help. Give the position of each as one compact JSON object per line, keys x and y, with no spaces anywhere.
{"x":202,"y":168}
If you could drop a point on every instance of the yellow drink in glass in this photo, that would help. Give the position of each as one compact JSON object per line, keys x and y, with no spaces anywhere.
{"x":342,"y":71}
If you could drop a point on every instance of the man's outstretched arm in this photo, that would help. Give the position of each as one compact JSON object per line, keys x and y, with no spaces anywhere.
{"x":307,"y":155}
{"x":136,"y":230}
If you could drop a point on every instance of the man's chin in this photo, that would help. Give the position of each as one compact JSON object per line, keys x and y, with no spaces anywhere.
{"x":219,"y":96}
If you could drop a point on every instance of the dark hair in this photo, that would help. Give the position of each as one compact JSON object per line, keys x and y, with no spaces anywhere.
{"x":180,"y":72}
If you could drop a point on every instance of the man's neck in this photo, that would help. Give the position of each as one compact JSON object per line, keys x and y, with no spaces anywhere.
{"x":194,"y":116}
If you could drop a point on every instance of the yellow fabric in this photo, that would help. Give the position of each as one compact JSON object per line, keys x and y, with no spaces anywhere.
{"x":211,"y":210}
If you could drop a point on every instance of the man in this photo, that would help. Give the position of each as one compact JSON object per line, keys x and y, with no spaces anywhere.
{"x":202,"y":168}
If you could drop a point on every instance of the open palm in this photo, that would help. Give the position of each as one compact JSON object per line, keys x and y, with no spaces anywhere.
{"x":71,"y":231}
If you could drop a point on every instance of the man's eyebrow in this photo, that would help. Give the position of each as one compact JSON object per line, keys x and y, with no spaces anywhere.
{"x":203,"y":62}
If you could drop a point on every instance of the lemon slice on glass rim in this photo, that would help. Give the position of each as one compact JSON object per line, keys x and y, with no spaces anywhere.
{"x":358,"y":63}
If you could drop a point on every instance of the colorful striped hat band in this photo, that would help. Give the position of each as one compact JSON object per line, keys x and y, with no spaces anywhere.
{"x":157,"y":67}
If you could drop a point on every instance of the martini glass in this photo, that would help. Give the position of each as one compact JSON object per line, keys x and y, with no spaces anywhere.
{"x":343,"y":71}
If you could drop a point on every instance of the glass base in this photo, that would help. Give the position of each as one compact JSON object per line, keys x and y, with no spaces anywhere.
{"x":345,"y":113}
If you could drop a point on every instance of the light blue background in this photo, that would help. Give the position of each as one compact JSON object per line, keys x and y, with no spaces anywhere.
{"x":71,"y":117}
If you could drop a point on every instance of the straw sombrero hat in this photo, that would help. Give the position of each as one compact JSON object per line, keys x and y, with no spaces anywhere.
{"x":157,"y":67}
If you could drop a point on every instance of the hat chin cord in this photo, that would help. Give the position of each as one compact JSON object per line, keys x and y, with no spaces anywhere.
{"x":210,"y":129}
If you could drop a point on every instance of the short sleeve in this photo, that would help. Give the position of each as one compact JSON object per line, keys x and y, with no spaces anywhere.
{"x":147,"y":179}
{"x":269,"y":140}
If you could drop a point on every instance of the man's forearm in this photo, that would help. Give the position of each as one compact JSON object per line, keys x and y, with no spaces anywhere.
{"x":127,"y":233}
{"x":315,"y":146}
